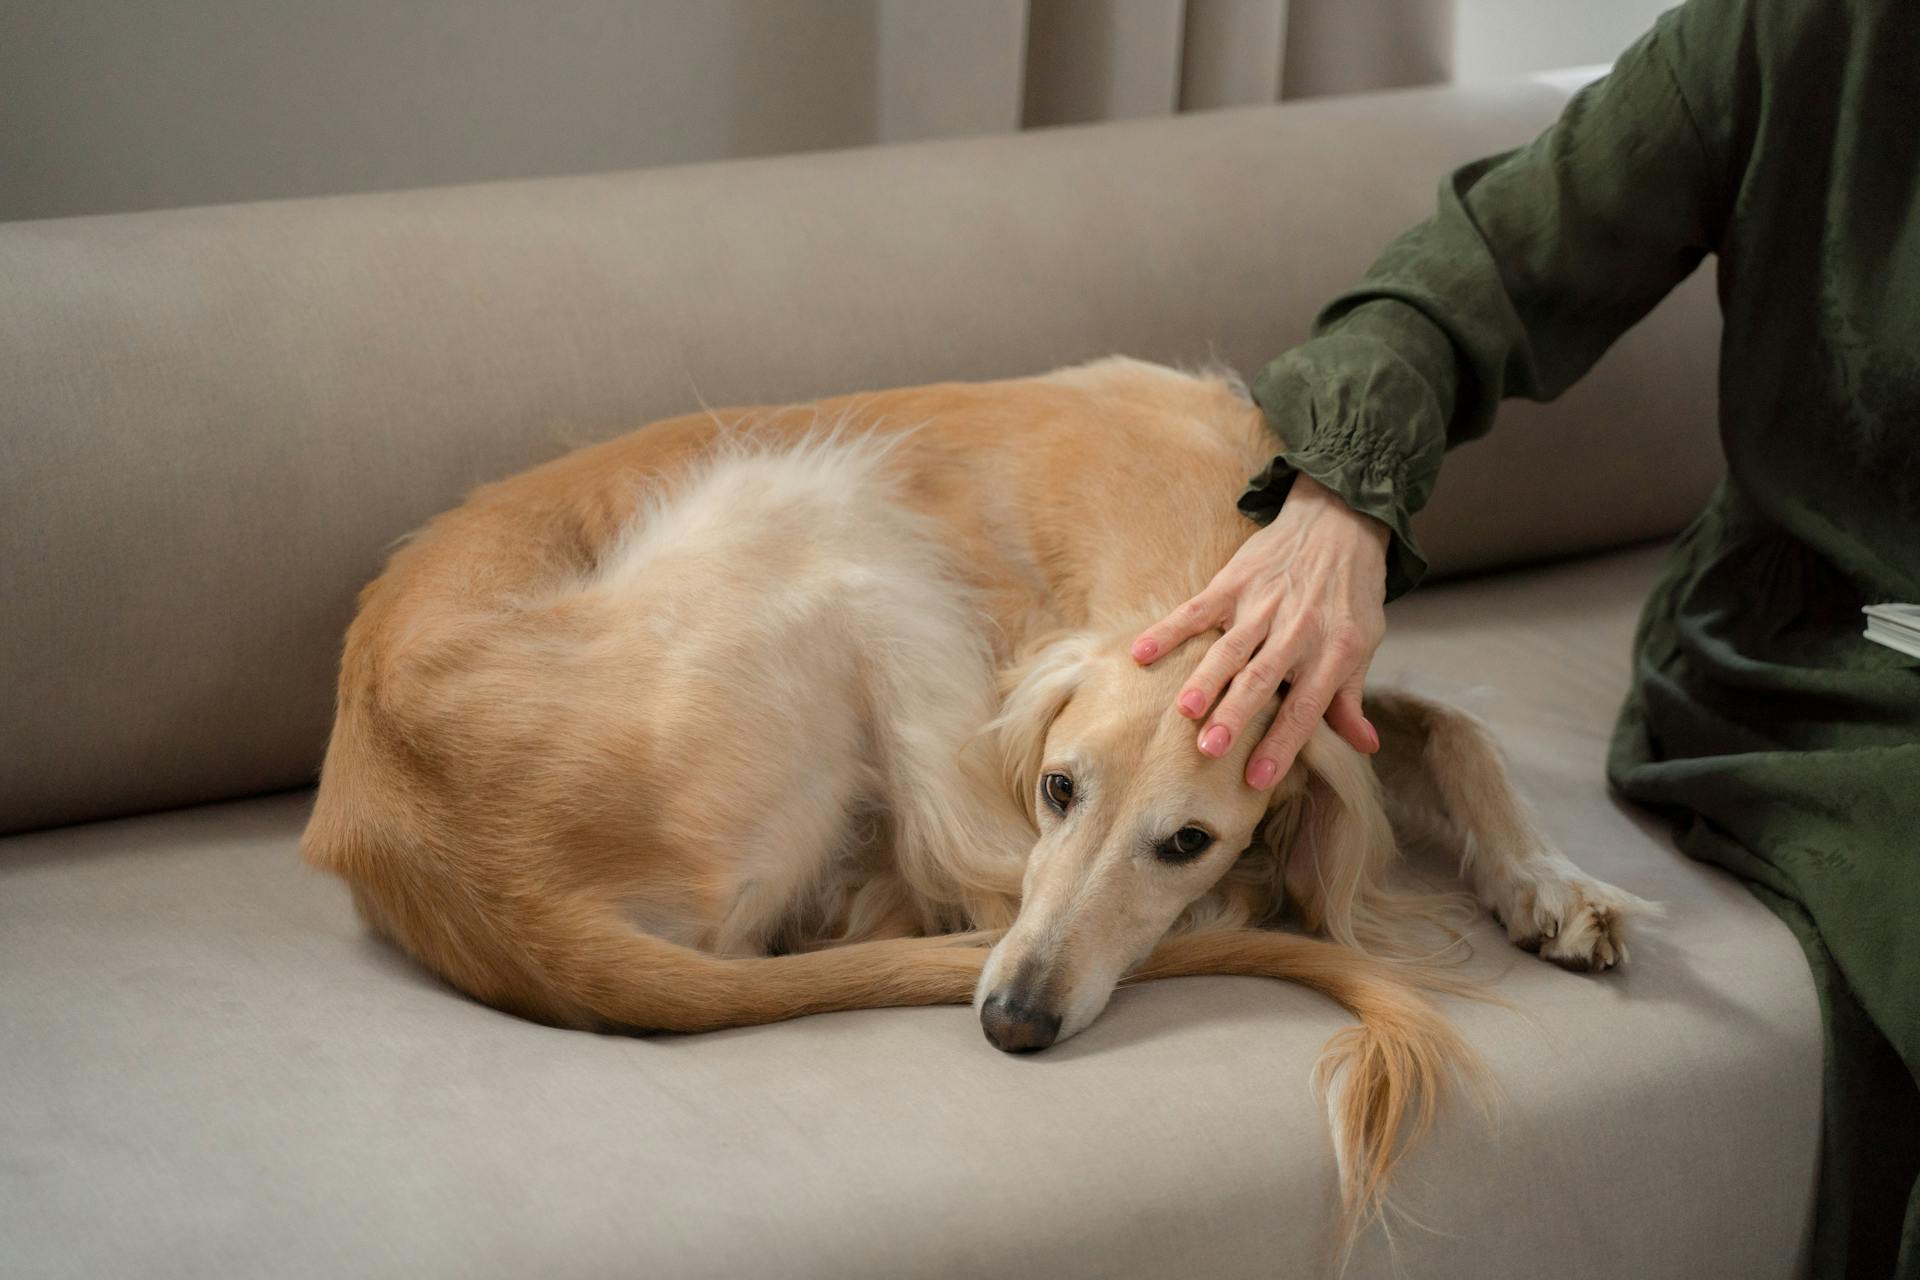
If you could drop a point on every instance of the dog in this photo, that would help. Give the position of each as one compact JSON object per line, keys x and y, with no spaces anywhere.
{"x":759,"y":713}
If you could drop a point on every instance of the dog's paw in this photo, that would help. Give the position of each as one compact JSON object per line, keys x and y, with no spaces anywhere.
{"x":1566,"y":916}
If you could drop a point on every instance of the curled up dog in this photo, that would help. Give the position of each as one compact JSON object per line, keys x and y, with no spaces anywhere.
{"x":762,"y":713}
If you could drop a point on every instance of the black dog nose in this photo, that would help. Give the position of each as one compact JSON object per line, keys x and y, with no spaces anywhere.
{"x":1017,"y":1028}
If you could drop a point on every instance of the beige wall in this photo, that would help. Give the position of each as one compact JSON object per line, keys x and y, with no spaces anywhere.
{"x":1495,"y":38}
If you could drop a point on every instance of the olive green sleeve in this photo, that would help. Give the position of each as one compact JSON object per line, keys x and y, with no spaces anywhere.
{"x":1534,"y":263}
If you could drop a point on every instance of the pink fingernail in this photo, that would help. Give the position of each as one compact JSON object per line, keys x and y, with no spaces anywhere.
{"x":1144,"y":650}
{"x":1261,"y":776}
{"x":1214,"y":741}
{"x":1192,"y":703}
{"x":1373,"y":735}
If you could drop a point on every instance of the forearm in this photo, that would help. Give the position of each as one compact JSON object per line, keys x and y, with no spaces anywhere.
{"x":1533,"y":263}
{"x":1373,"y":394}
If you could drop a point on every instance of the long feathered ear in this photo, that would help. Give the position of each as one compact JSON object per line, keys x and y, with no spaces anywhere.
{"x":1032,"y":693}
{"x":1332,"y":839}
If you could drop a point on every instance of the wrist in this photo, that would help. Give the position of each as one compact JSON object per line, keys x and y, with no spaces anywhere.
{"x":1311,"y":493}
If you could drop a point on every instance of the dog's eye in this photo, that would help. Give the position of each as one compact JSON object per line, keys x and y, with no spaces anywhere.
{"x":1058,"y":789}
{"x":1184,"y":845}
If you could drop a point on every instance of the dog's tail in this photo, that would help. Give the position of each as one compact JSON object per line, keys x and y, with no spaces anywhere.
{"x":1382,"y":1081}
{"x":587,"y":967}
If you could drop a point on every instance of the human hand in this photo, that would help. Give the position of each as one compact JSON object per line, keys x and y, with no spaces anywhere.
{"x":1301,"y":601}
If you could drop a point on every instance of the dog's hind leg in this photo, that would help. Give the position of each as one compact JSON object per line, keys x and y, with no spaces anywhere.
{"x":1446,"y":783}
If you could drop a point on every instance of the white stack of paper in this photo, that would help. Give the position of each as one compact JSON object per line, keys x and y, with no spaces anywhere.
{"x":1896,"y":626}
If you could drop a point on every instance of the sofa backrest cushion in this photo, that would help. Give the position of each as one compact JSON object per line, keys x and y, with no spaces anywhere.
{"x":215,"y":422}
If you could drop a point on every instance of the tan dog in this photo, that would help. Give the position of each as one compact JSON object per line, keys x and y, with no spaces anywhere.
{"x":761,"y":713}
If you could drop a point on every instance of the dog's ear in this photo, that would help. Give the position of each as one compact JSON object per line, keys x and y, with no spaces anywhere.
{"x":1329,"y":834}
{"x":1032,"y":693}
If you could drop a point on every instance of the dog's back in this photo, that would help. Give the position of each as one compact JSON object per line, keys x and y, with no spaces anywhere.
{"x":739,"y":721}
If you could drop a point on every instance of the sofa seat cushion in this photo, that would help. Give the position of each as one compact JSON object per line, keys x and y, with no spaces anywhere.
{"x":211,"y":1070}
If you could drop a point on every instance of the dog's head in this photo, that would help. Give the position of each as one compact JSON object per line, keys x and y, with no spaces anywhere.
{"x":1134,"y":825}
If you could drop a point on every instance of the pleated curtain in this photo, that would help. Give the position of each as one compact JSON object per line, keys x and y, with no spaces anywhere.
{"x":954,"y":67}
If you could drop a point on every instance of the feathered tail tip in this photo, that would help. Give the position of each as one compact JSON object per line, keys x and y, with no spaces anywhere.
{"x":1383,"y":1083}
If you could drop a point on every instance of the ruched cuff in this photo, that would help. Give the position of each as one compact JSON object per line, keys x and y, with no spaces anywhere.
{"x":1360,"y":419}
{"x":1267,"y":491}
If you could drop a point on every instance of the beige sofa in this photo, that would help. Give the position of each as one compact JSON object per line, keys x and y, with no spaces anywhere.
{"x":214,"y":422}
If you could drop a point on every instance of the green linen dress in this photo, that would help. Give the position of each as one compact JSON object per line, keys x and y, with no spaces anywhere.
{"x":1783,"y":138}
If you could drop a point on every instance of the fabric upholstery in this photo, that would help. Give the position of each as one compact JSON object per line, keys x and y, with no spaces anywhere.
{"x":216,"y":421}
{"x":211,"y":1070}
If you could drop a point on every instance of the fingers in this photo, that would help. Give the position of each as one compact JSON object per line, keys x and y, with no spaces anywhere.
{"x":1227,"y":659}
{"x":1251,"y":689}
{"x":1348,"y":718}
{"x":1299,"y":717}
{"x":1204,"y":612}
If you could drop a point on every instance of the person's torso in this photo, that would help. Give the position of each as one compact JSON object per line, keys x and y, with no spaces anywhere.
{"x":1820,"y":282}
